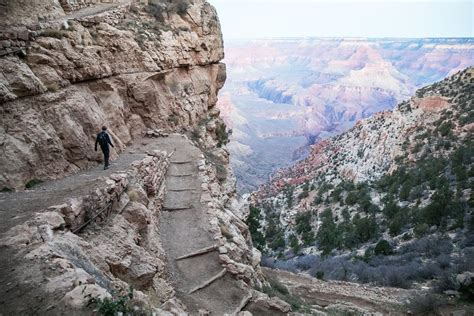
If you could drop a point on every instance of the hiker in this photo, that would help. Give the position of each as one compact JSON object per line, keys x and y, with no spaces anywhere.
{"x":104,"y":140}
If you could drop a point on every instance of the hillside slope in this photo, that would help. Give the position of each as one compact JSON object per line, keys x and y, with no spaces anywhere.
{"x":390,"y":201}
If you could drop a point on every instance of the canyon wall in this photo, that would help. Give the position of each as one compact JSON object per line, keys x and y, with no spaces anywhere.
{"x":123,"y":68}
{"x":150,"y":233}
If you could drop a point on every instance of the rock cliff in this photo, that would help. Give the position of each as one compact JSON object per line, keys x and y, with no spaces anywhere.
{"x":162,"y":231}
{"x":124,"y":68}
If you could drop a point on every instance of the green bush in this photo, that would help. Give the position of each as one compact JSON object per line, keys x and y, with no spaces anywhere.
{"x":181,"y":7}
{"x":351,"y":198}
{"x":396,"y":224}
{"x":383,"y":247}
{"x":445,"y":128}
{"x":32,"y":183}
{"x":288,"y":191}
{"x":294,"y":244}
{"x":420,"y":230}
{"x":157,"y":11}
{"x":328,"y":235}
{"x":320,"y":275}
{"x":222,"y":134}
{"x":365,"y":228}
{"x":253,"y":222}
{"x":111,"y":307}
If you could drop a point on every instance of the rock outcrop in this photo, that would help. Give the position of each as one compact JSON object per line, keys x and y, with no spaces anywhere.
{"x":125,"y":68}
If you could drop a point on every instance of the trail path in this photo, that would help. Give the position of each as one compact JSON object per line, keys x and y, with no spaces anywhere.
{"x":93,"y":10}
{"x":199,"y":279}
{"x":18,"y":207}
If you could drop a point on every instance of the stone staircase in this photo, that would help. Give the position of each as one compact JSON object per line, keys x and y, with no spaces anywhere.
{"x":199,"y":278}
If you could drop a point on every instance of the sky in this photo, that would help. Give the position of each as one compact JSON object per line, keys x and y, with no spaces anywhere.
{"x":242,"y":19}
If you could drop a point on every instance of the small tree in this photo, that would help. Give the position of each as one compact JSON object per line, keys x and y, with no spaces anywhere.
{"x":383,"y":247}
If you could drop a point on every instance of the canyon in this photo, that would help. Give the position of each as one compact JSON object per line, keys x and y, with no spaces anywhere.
{"x":164,"y":230}
{"x":387,"y":203}
{"x":283,"y":95}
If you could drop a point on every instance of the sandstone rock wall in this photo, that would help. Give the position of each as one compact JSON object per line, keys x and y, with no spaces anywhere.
{"x":124,"y":68}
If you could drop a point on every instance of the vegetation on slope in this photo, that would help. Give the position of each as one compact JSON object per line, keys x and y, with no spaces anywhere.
{"x":413,"y":225}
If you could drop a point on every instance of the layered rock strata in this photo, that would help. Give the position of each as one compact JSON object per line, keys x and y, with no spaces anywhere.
{"x":123,"y":68}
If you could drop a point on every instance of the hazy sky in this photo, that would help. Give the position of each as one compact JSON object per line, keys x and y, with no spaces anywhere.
{"x":339,"y":18}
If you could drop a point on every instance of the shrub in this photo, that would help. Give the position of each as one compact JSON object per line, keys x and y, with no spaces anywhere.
{"x":157,"y":11}
{"x":278,"y":289}
{"x":383,"y":247}
{"x":396,"y":224}
{"x":328,"y":235}
{"x":351,"y":198}
{"x":420,"y":230}
{"x":181,"y":7}
{"x":222,"y":134}
{"x":32,"y":183}
{"x":253,"y":222}
{"x":320,"y":275}
{"x":424,"y":304}
{"x":288,"y":191}
{"x":365,"y":228}
{"x":294,"y":244}
{"x":445,"y":128}
{"x":446,"y":282}
{"x":395,"y":277}
{"x":111,"y":307}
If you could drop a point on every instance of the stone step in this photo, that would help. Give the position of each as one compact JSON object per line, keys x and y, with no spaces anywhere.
{"x":208,"y":281}
{"x":222,"y":296}
{"x":181,"y":162}
{"x":178,"y":208}
{"x":182,"y":170}
{"x":199,"y":252}
{"x":181,"y":183}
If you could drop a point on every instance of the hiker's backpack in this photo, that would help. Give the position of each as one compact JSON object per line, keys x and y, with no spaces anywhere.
{"x":102,"y":139}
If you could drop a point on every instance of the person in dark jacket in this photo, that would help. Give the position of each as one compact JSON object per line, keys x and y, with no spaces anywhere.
{"x":103,"y":139}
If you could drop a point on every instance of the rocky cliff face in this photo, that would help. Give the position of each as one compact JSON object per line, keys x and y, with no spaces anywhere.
{"x":162,"y":231}
{"x":124,"y":68}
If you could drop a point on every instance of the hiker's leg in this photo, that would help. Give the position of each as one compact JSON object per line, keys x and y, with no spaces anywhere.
{"x":106,"y":157}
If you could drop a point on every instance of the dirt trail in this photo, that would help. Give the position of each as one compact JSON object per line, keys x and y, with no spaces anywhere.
{"x":18,"y":207}
{"x":93,"y":10}
{"x":198,"y":277}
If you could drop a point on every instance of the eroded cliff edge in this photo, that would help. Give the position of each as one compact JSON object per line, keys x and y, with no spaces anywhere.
{"x":127,"y":68}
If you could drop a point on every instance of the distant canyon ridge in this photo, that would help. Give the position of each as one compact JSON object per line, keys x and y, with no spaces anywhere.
{"x":283,"y":95}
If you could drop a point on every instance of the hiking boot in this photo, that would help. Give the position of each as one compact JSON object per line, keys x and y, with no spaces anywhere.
{"x":106,"y":167}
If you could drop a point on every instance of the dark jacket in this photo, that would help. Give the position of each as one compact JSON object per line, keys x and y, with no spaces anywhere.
{"x":105,"y":145}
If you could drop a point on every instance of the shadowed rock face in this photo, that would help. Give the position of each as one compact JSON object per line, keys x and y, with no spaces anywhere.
{"x":123,"y":68}
{"x":299,"y":91}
